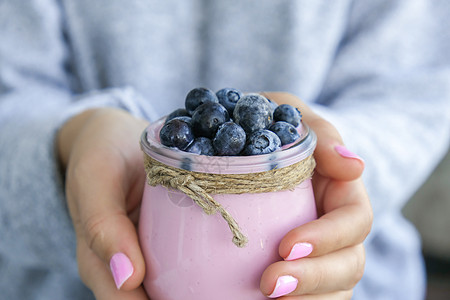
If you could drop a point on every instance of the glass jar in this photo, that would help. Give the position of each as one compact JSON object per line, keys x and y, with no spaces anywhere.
{"x":188,"y":253}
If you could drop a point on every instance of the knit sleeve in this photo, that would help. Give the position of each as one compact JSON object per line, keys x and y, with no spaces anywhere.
{"x":388,"y":94}
{"x":35,"y":99}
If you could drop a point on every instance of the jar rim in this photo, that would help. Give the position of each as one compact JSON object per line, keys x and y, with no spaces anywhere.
{"x":296,"y":152}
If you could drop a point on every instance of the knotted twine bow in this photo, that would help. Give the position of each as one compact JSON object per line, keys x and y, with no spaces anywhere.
{"x":200,"y":186}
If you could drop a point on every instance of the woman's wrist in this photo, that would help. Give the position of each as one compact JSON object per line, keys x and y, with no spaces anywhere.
{"x":68,"y":133}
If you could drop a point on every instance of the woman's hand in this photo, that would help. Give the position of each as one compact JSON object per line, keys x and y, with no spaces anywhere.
{"x":104,"y":183}
{"x":324,"y":259}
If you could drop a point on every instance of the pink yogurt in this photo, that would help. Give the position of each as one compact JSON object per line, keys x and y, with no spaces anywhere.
{"x":190,"y":255}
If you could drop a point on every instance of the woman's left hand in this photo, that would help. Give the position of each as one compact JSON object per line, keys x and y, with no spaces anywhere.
{"x":325,"y":258}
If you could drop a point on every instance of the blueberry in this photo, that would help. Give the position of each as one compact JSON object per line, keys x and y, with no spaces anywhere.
{"x":261,"y":142}
{"x":183,"y":118}
{"x":285,"y":131}
{"x":287,"y":113}
{"x":228,"y":97}
{"x":197,"y":97}
{"x":186,"y":164}
{"x":180,"y":112}
{"x":201,"y":145}
{"x":207,"y":118}
{"x":176,"y":133}
{"x":253,"y":112}
{"x":230,"y":139}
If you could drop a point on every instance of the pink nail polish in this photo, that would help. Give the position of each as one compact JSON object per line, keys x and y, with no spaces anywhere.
{"x":344,"y":152}
{"x":285,"y":285}
{"x":121,"y":268}
{"x":299,"y":250}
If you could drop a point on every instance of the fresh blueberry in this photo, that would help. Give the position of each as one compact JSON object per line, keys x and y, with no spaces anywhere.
{"x":287,"y":113}
{"x":186,"y":164}
{"x":253,"y":112}
{"x":183,"y":118}
{"x":261,"y":142}
{"x":197,"y":97}
{"x":230,"y":139}
{"x":207,"y":118}
{"x":228,"y":97}
{"x":176,"y":133}
{"x":180,"y":112}
{"x":201,"y":145}
{"x":285,"y":131}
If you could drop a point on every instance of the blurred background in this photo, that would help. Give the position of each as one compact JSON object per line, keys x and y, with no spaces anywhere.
{"x":429,"y":210}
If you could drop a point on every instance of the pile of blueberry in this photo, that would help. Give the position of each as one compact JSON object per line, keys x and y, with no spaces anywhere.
{"x":230,"y":123}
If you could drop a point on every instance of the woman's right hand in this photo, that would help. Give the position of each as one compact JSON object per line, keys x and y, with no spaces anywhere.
{"x":99,"y":150}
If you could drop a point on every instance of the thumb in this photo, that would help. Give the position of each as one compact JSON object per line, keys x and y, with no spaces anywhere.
{"x":114,"y":239}
{"x":98,"y":208}
{"x":334,"y":160}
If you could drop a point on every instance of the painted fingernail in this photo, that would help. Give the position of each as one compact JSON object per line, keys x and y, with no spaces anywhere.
{"x":121,"y":268}
{"x":285,"y":285}
{"x":344,"y":152}
{"x":299,"y":250}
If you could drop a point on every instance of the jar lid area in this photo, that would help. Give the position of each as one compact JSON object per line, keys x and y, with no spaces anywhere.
{"x":173,"y":157}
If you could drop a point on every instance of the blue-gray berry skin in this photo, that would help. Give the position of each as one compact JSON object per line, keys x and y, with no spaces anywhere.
{"x":202,"y":146}
{"x":207,"y":118}
{"x":176,"y":133}
{"x":253,"y":112}
{"x":287,"y":113}
{"x":183,"y":118}
{"x":228,"y":97}
{"x":180,"y":112}
{"x":186,"y":164}
{"x":261,"y":142}
{"x":197,"y":97}
{"x":229,"y":140}
{"x":286,"y":132}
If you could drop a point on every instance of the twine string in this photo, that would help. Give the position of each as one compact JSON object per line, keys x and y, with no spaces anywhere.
{"x":200,"y":186}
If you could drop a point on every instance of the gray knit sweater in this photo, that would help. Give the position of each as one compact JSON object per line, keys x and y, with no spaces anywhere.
{"x":379,"y":70}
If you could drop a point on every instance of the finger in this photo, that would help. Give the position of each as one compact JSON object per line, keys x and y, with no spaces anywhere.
{"x":337,"y":271}
{"x":346,"y":221}
{"x":98,"y":278}
{"x":340,"y":295}
{"x":102,"y":219}
{"x":333,"y":159}
{"x":103,"y":184}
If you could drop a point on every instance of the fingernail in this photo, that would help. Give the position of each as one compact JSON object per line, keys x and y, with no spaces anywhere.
{"x":299,"y":250}
{"x":344,"y":152}
{"x":285,"y":285}
{"x":121,"y":268}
